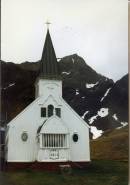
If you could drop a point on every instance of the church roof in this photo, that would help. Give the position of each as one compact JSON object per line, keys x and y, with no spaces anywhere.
{"x":48,"y":63}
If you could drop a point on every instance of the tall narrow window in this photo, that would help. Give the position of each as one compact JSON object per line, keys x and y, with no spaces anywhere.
{"x":43,"y":112}
{"x":58,"y":112}
{"x":50,"y":110}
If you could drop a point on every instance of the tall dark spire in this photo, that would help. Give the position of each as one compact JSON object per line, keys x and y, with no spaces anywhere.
{"x":49,"y":64}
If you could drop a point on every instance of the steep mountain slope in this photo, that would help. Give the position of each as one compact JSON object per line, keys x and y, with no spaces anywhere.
{"x":89,"y":93}
{"x":114,"y":107}
{"x":17,"y":89}
{"x":117,"y":99}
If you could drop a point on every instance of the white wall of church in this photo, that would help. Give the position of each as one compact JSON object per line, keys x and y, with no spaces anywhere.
{"x":26,"y":121}
{"x":30,"y":119}
{"x":79,"y":151}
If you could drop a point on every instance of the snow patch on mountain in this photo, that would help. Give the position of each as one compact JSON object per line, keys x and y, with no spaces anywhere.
{"x":77,"y":91}
{"x":103,"y":112}
{"x":85,"y":114}
{"x":106,"y":93}
{"x":73,"y":60}
{"x":58,"y":59}
{"x":115,"y":117}
{"x":83,"y":97}
{"x":10,"y":85}
{"x":91,"y":120}
{"x":96,"y":133}
{"x":91,"y":85}
{"x":66,"y":73}
{"x":123,"y":125}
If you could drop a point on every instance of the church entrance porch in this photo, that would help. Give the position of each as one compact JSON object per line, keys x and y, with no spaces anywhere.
{"x":54,"y":147}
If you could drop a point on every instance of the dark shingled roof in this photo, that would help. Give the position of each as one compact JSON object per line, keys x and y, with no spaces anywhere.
{"x":49,"y":64}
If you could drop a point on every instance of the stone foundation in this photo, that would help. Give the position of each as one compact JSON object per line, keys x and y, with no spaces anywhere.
{"x":47,"y":166}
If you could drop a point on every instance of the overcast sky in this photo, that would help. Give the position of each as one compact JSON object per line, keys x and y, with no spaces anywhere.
{"x":94,"y":29}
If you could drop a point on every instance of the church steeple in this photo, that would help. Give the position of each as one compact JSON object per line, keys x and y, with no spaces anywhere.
{"x":49,"y":81}
{"x":48,"y":64}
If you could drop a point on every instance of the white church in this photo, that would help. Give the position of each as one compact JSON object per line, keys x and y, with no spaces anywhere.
{"x":48,"y":132}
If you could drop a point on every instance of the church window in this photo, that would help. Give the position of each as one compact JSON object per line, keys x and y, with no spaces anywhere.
{"x":75,"y":137}
{"x":58,"y":112}
{"x":50,"y":110}
{"x":24,"y":136}
{"x":54,"y":140}
{"x":43,"y":112}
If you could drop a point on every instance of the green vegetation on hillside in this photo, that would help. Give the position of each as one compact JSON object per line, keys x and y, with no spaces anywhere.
{"x":112,"y":145}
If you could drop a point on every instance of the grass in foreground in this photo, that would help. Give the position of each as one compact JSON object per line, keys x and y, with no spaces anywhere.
{"x":100,"y":172}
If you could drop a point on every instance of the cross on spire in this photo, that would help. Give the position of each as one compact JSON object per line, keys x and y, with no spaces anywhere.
{"x":48,"y":24}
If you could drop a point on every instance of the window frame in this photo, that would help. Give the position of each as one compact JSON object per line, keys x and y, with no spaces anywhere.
{"x":54,"y":111}
{"x":75,"y":137}
{"x":43,"y":112}
{"x":64,"y":140}
{"x":50,"y":110}
{"x":58,"y":112}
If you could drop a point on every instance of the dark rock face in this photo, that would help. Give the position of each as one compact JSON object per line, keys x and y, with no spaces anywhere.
{"x":78,"y":72}
{"x":117,"y":99}
{"x":17,"y":89}
{"x":86,"y":91}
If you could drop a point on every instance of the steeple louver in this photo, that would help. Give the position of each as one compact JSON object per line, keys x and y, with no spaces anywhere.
{"x":49,"y":64}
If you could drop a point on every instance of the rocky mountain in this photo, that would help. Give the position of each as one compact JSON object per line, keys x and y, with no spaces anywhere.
{"x":102,"y":103}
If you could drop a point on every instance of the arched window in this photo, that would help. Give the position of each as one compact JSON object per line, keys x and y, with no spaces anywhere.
{"x":50,"y":110}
